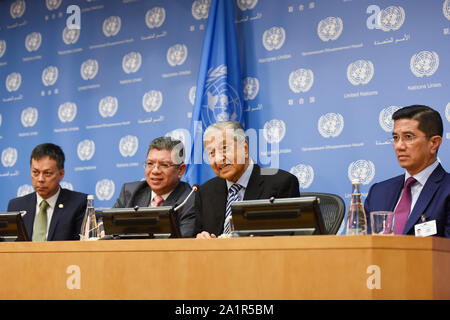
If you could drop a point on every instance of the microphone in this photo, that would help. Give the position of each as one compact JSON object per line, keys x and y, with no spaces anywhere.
{"x":194,"y":188}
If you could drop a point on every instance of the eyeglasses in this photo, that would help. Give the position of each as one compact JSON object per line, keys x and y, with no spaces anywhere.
{"x":407,"y":138}
{"x":163,"y":166}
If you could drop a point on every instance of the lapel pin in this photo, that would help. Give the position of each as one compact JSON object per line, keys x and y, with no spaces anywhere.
{"x":60,"y":206}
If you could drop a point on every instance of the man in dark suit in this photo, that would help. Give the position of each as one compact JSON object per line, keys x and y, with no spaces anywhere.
{"x":422,"y":193}
{"x":164,"y":168}
{"x":52,"y":213}
{"x":238,"y":178}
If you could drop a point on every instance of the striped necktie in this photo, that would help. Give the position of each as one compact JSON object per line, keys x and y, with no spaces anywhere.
{"x":40,"y":223}
{"x":232,"y":196}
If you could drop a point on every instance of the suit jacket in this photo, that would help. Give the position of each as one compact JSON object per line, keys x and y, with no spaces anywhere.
{"x":139,"y":193}
{"x":66,"y":219}
{"x":211,"y":198}
{"x":433,"y":201}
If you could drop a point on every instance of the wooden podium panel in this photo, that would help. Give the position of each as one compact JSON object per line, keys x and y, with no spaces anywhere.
{"x":287,"y":268}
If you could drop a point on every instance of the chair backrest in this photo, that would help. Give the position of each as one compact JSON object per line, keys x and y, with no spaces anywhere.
{"x":332,"y":208}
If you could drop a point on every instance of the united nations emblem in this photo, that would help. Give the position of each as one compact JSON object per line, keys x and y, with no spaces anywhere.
{"x":301,"y":80}
{"x":177,"y":54}
{"x":152,"y":100}
{"x":385,"y":118}
{"x":250,"y":88}
{"x":29,"y":117}
{"x":447,"y":112}
{"x":89,"y":69}
{"x":104,"y":189}
{"x":131,"y":62}
{"x":391,"y":18}
{"x":53,"y":4}
{"x":446,"y":9}
{"x":33,"y":41}
{"x":274,"y":130}
{"x":360,"y":72}
{"x":330,"y":28}
{"x":111,"y":26}
{"x":192,"y":94}
{"x":200,"y":9}
{"x":107,"y":107}
{"x":86,"y":150}
{"x":273,"y":38}
{"x":128,"y":146}
{"x":155,"y":17}
{"x":222,"y":100}
{"x":67,"y":112}
{"x":424,"y":63}
{"x":363,"y":170}
{"x":66,"y":185}
{"x":2,"y":47}
{"x":70,"y":36}
{"x":24,"y":189}
{"x":17,"y":9}
{"x":13,"y":81}
{"x":246,"y":4}
{"x":304,"y":174}
{"x":9,"y":157}
{"x":330,"y":125}
{"x":49,"y":76}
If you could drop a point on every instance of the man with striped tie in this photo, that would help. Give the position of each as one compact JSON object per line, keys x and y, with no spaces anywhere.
{"x":238,"y":178}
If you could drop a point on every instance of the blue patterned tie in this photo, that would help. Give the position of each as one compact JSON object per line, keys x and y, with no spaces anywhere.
{"x":232,"y":196}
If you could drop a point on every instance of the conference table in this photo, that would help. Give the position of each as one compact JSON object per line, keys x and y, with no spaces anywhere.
{"x":252,"y":268}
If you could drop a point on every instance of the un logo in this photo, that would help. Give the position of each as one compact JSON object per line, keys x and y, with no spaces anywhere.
{"x":24,"y":189}
{"x":66,"y":185}
{"x":89,"y":69}
{"x":273,"y":38}
{"x":363,"y":170}
{"x":222,"y":100}
{"x":53,"y":4}
{"x":274,"y":130}
{"x":9,"y":157}
{"x":104,"y":189}
{"x":107,"y":107}
{"x":246,"y":4}
{"x":17,"y":9}
{"x":155,"y":17}
{"x":2,"y":47}
{"x":67,"y":112}
{"x":29,"y":117}
{"x":360,"y":72}
{"x":424,"y":63}
{"x":33,"y":41}
{"x":152,"y":100}
{"x":49,"y":76}
{"x":385,"y":118}
{"x":391,"y":18}
{"x":177,"y":54}
{"x":331,"y":125}
{"x":13,"y":81}
{"x":70,"y":36}
{"x":192,"y":94}
{"x":131,"y":62}
{"x":446,"y":9}
{"x":447,"y":112}
{"x":128,"y":146}
{"x":250,"y":88}
{"x":304,"y":174}
{"x":330,"y":28}
{"x":111,"y":26}
{"x":86,"y":150}
{"x":301,"y":80}
{"x":200,"y":9}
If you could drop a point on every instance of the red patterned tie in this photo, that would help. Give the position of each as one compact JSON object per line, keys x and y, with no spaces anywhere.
{"x":157,"y":201}
{"x":404,"y":207}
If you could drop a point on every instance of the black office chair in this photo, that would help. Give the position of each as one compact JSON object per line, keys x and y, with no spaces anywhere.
{"x":332,"y":208}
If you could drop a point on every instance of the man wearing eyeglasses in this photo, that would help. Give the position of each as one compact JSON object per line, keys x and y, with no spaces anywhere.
{"x":164,"y":168}
{"x":421,"y":196}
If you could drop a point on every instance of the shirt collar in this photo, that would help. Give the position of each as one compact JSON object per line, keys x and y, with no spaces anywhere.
{"x":164,"y":196}
{"x":243,"y":180}
{"x":51,"y":201}
{"x":423,"y":175}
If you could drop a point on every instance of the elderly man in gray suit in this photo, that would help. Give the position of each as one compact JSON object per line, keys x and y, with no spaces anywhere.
{"x":164,"y":168}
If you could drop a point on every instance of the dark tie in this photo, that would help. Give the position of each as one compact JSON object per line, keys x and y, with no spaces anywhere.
{"x":40,"y":223}
{"x":404,"y":207}
{"x":157,"y":201}
{"x":232,"y":196}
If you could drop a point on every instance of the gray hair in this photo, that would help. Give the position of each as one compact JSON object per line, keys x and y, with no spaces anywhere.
{"x":171,"y":144}
{"x":234,"y":127}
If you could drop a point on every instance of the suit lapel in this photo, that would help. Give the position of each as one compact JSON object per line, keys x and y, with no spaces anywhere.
{"x":393,"y":192}
{"x":254,"y":189}
{"x":174,"y":195}
{"x":221,"y":192}
{"x":28,"y":219}
{"x":57,"y":213}
{"x":142,"y":197}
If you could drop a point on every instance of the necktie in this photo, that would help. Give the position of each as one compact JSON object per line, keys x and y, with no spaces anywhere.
{"x":232,"y":196}
{"x":404,"y":207}
{"x":157,"y":201}
{"x":40,"y":223}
